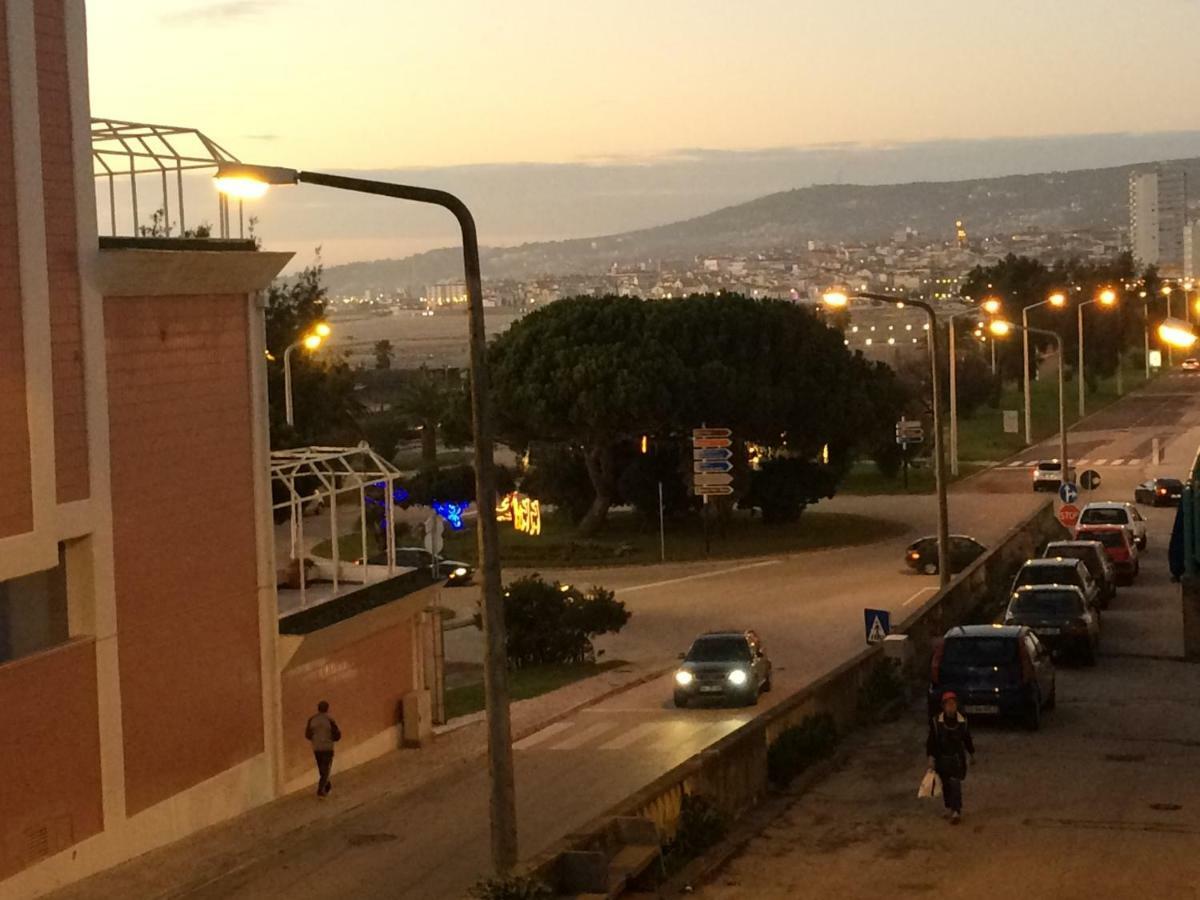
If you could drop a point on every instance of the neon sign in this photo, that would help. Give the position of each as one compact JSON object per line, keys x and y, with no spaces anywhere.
{"x":523,"y":511}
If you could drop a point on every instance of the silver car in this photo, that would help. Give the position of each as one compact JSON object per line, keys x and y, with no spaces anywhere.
{"x":723,"y":665}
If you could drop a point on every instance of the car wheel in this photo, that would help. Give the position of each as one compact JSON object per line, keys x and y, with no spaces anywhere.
{"x":680,"y":701}
{"x":1033,"y":715}
{"x":930,"y":568}
{"x":766,"y":685}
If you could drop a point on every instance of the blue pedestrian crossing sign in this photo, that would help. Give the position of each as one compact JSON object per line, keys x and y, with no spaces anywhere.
{"x":1068,"y":492}
{"x":878,"y":624}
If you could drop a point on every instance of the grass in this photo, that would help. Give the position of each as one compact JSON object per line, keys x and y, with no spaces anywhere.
{"x":864,"y":479}
{"x":627,"y":538}
{"x":524,"y":684}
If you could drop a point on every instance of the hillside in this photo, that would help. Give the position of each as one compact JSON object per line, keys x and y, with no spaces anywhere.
{"x":1054,"y":200}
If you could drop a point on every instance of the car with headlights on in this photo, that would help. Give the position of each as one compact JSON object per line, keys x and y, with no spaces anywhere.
{"x":922,"y":555}
{"x":1048,"y":475}
{"x":455,"y":573}
{"x":1191,"y":364}
{"x":729,"y":666}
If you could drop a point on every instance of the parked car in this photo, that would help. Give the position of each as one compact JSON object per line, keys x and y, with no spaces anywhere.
{"x":995,"y":670}
{"x":1191,"y":364}
{"x":723,"y":665}
{"x":1118,"y":544}
{"x":1092,"y":555}
{"x":1060,"y":616}
{"x":455,"y":572}
{"x":1159,"y":492}
{"x":1114,"y":512}
{"x":922,"y":555}
{"x":1047,"y":475}
{"x":1059,"y":571}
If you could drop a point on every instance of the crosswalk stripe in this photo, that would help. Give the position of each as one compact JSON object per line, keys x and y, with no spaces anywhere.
{"x":1099,"y":462}
{"x":1117,"y":462}
{"x":539,"y":736}
{"x":632,"y":736}
{"x":583,"y":735}
{"x":1135,"y":462}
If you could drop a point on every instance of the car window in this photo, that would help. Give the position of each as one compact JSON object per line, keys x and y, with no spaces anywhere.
{"x":978,"y":651}
{"x":719,"y":649}
{"x":1173,"y":484}
{"x":1137,"y":516}
{"x":1047,"y":603}
{"x":1104,"y":516}
{"x":1067,"y":573}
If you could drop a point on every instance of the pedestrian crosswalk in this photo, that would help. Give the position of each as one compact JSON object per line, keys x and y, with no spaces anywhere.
{"x":1078,"y":463}
{"x":659,"y":734}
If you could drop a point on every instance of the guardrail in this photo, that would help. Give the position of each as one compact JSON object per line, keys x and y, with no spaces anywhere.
{"x":732,"y":773}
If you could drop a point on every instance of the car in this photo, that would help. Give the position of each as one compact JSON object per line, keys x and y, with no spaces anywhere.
{"x":1058,"y":570}
{"x":723,"y":665}
{"x":455,"y":572}
{"x":922,"y":555}
{"x":1060,"y":616}
{"x":1048,"y":475}
{"x":1000,"y":670}
{"x":1092,"y":555}
{"x":1191,"y":364}
{"x":1120,"y":547}
{"x":1159,"y":492}
{"x":1114,"y":512}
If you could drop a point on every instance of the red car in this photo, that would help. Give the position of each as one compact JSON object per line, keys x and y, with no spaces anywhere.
{"x":1119,"y":546}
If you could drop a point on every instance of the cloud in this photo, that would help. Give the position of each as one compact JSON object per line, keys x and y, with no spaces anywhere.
{"x":219,"y":12}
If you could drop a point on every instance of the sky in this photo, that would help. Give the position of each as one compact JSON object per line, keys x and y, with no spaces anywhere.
{"x":542,"y":92}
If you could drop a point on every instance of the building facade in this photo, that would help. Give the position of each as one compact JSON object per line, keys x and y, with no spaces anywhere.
{"x":1158,"y":217}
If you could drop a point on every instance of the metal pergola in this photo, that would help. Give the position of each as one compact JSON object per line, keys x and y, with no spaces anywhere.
{"x":126,"y":150}
{"x":333,"y":471}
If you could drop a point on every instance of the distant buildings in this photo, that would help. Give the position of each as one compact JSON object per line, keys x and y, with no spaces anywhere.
{"x":1157,"y":217}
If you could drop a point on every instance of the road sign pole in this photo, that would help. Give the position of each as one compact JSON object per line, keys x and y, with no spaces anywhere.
{"x":662,"y":532}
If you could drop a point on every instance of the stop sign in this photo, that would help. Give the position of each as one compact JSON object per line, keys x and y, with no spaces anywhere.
{"x":1068,"y":515}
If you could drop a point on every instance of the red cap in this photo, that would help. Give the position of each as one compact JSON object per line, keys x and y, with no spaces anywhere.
{"x":949,"y":695}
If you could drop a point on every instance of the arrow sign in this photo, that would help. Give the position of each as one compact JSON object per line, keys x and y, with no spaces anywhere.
{"x":712,"y":490}
{"x":1068,"y":493}
{"x":712,"y":478}
{"x":712,"y":465}
{"x":710,"y":443}
{"x":710,"y":433}
{"x":712,"y":453}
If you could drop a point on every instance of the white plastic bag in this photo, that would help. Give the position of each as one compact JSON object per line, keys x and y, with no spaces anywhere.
{"x":931,"y":786}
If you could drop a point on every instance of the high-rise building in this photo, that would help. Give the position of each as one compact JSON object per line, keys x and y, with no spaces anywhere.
{"x":1191,"y":249}
{"x":1157,"y":216}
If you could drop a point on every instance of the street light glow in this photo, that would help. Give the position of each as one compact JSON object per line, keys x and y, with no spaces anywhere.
{"x":991,"y":306}
{"x":241,"y":187}
{"x":1107,"y":297}
{"x":999,"y":327}
{"x":311,"y":341}
{"x":322,"y":329}
{"x":1176,"y":333}
{"x":1058,"y":299}
{"x":835,"y":298}
{"x":247,"y":182}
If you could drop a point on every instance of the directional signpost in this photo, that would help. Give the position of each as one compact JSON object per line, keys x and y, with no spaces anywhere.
{"x":878,"y":624}
{"x":908,"y":432}
{"x":1089,"y":480}
{"x":1068,"y":493}
{"x":712,"y":462}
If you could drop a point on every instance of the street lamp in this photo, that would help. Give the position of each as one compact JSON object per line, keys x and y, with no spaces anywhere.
{"x":1107,"y":299}
{"x":1058,"y":300}
{"x":839,"y":299}
{"x":954,"y":378}
{"x":242,"y":180}
{"x":1177,"y":333}
{"x":1000,"y":328}
{"x":992,"y":306}
{"x":309,"y":341}
{"x":1166,"y":292}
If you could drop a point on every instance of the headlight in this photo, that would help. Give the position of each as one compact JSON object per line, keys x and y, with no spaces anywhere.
{"x":738,"y":677}
{"x":683,"y":677}
{"x":460,"y":572}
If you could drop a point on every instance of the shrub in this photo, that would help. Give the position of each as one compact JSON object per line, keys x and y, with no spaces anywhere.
{"x":555,"y":623}
{"x":512,"y":888}
{"x":883,"y":686}
{"x":783,"y":486}
{"x":701,"y":826}
{"x":799,"y":747}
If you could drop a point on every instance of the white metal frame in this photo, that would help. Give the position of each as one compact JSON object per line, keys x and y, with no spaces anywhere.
{"x":123,"y":149}
{"x":337,"y":470}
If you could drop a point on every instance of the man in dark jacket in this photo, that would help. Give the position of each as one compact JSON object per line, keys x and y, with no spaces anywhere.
{"x":322,"y":732}
{"x":947,"y":747}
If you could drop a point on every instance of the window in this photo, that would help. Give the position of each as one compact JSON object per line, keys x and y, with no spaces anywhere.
{"x":1103,"y":516}
{"x":719,"y":649}
{"x":1047,"y":603}
{"x":984,"y":651}
{"x":33,"y":612}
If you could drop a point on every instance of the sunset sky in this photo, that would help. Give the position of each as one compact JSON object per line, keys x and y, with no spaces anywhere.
{"x":381,"y":84}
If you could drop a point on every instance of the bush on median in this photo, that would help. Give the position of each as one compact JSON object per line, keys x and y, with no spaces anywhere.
{"x":799,"y":747}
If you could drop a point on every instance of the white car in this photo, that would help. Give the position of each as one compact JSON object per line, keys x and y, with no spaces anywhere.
{"x":1047,"y":475}
{"x":1114,"y":513}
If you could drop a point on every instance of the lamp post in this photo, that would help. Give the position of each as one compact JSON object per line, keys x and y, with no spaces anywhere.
{"x":1106,"y":298}
{"x":1001,"y":328}
{"x":837,"y":298}
{"x":1166,"y":292}
{"x":954,"y":381}
{"x":244,"y":180}
{"x":310,"y":341}
{"x":1058,"y":300}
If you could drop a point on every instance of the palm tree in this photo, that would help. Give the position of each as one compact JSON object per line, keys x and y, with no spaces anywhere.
{"x":424,"y":397}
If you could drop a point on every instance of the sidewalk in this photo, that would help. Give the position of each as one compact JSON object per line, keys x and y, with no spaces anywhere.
{"x":193,"y":866}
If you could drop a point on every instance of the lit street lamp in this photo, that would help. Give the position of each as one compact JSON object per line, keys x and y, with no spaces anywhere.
{"x":1177,"y":333}
{"x":1000,"y":328}
{"x":1058,"y":300}
{"x":1166,"y":292}
{"x":251,"y":181}
{"x":310,"y":341}
{"x":1107,"y":298}
{"x":840,"y":299}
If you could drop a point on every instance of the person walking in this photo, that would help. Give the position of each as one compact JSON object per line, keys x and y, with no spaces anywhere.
{"x":948,"y":745}
{"x":323,"y":732}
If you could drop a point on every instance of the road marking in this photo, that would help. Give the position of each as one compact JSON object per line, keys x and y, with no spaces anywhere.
{"x":654,"y":584}
{"x":1117,"y":462}
{"x":634,"y":734}
{"x":583,"y":735}
{"x":924,"y":590}
{"x":539,"y":736}
{"x":1135,"y":462}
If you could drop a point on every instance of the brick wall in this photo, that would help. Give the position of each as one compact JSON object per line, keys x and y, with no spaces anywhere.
{"x":184,"y":539}
{"x":16,"y":511}
{"x":58,"y":187}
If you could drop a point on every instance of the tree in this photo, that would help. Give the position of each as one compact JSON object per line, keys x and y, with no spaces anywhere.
{"x":558,"y":476}
{"x":782,"y":487}
{"x":425,"y":396}
{"x":384,"y":354}
{"x":555,"y":623}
